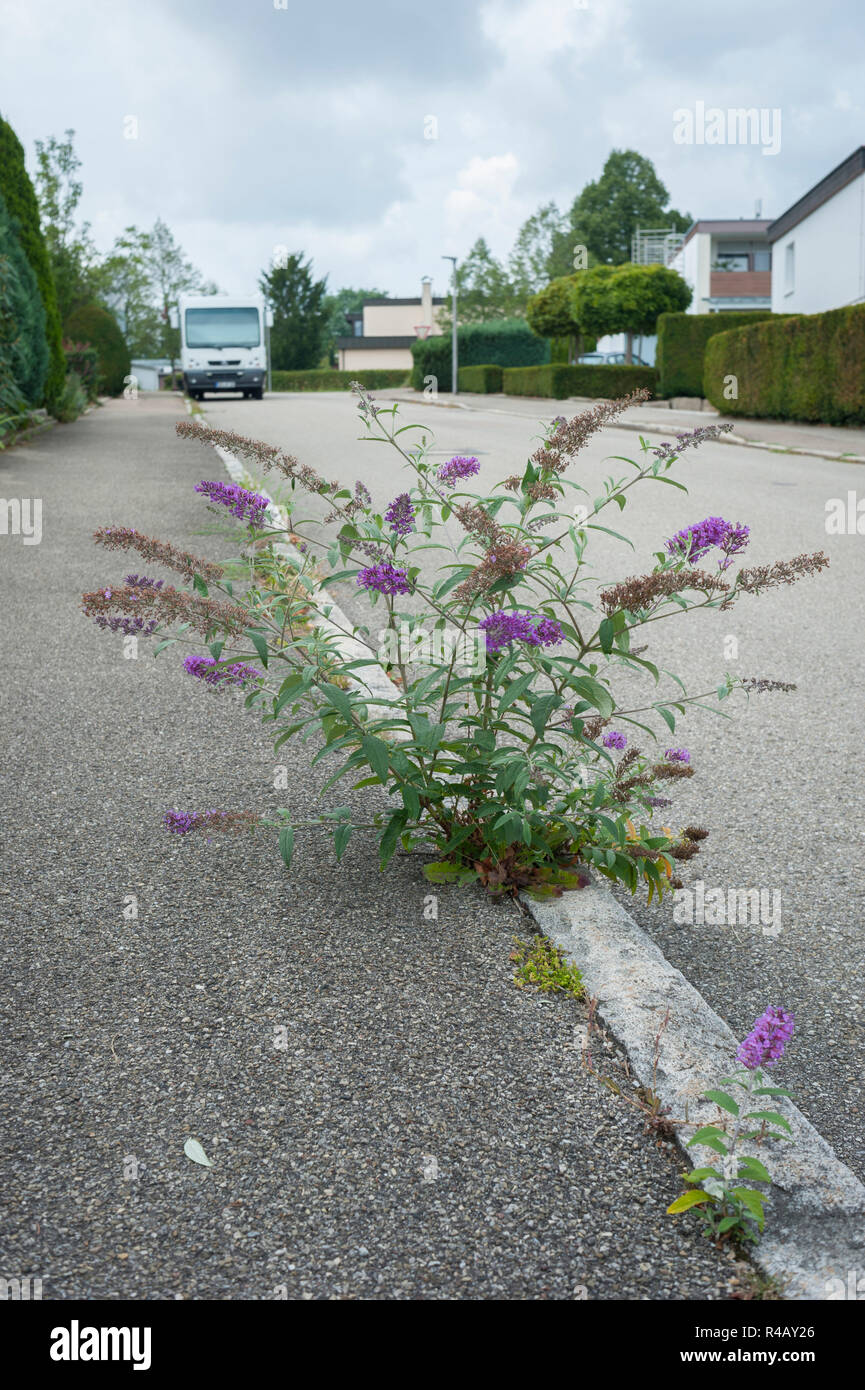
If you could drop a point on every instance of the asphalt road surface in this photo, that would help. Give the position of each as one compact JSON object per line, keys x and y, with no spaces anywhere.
{"x":779,"y":785}
{"x":386,"y":1115}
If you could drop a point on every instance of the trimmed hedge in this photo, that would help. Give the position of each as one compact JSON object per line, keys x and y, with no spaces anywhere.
{"x":485,"y":378}
{"x":20,"y":198}
{"x":802,"y":367}
{"x":504,"y":342}
{"x":323,"y":379}
{"x":560,"y":381}
{"x":682,"y":340}
{"x":23,"y":344}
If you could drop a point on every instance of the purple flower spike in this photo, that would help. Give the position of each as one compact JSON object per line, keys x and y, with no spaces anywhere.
{"x":614,"y":739}
{"x":766,"y":1041}
{"x":400,"y":515}
{"x":457,"y":467}
{"x":506,"y":626}
{"x":384,"y":579}
{"x":697,"y":540}
{"x":248,"y":506}
{"x":207,"y":669}
{"x":677,"y":755}
{"x":179,"y":822}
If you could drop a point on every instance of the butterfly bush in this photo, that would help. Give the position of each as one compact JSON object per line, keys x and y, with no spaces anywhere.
{"x":730,"y":1207}
{"x":495,"y":748}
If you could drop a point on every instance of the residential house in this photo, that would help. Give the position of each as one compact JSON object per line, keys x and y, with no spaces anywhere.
{"x":728,"y":265}
{"x":818,"y":244}
{"x":383,"y":331}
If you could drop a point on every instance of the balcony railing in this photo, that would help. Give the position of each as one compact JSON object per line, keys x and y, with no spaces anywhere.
{"x":740,"y":284}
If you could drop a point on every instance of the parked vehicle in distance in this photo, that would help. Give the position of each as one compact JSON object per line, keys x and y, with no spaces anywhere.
{"x":223,"y":343}
{"x":610,"y":359}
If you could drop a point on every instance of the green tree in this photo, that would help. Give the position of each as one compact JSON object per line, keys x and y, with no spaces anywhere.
{"x":20,"y":198}
{"x":530,"y":259}
{"x":94,"y":325}
{"x":23,"y":345}
{"x":171,"y":275}
{"x":550,"y":313}
{"x":486,"y":291}
{"x":627,"y":299}
{"x":122,"y":282}
{"x":336,"y":306}
{"x":605,"y":215}
{"x":300,"y":316}
{"x":70,"y":248}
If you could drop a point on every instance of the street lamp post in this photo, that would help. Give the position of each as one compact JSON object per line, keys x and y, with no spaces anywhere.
{"x":454,"y":351}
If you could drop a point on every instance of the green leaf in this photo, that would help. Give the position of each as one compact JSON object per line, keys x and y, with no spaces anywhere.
{"x":339,"y":699}
{"x":341,"y":837}
{"x":687,"y":1199}
{"x":286,"y":844}
{"x":259,"y":641}
{"x":160,"y":646}
{"x":606,"y":633}
{"x":597,"y":695}
{"x":441,"y":872}
{"x":515,"y":691}
{"x":721,"y":1098}
{"x":770,"y":1115}
{"x":542,"y":708}
{"x":753,"y":1168}
{"x":388,"y":842}
{"x":376,"y":753}
{"x":698,"y":1174}
{"x":668,"y":718}
{"x":199,"y":585}
{"x":752,"y":1201}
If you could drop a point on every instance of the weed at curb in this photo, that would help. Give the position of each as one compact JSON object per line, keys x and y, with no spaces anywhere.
{"x":542,"y":968}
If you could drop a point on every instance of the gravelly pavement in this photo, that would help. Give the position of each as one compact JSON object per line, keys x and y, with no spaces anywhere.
{"x":778,"y":787}
{"x":426,"y":1131}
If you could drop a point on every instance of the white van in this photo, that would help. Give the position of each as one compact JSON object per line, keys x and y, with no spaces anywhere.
{"x":223,"y":343}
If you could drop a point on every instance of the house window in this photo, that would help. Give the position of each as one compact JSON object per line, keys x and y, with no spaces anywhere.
{"x":762,"y":260}
{"x":790,"y":267}
{"x":358,"y":328}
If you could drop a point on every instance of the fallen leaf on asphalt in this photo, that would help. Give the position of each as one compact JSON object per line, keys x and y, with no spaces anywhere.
{"x":193,"y":1150}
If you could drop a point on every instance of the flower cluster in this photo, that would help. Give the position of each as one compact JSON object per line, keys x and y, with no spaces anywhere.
{"x":168,"y":605}
{"x":688,"y":439}
{"x":182,"y":822}
{"x":641,"y":591}
{"x":245,"y":505}
{"x":384,"y":579}
{"x":569,"y":436}
{"x":677,"y":755}
{"x":766,"y":1041}
{"x":267,"y":456}
{"x":614,"y":739}
{"x":505,"y":626}
{"x":457,"y":467}
{"x":757,"y":685}
{"x":400,"y":515}
{"x":162,"y":552}
{"x":697,"y":540}
{"x":212,"y":672}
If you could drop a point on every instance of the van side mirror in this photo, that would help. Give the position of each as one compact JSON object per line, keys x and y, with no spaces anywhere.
{"x":268,"y":318}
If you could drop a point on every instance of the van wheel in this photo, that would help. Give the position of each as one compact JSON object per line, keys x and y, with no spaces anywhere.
{"x":258,"y":393}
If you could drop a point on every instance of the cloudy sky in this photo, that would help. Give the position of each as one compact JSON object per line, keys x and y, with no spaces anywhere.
{"x":265,"y":123}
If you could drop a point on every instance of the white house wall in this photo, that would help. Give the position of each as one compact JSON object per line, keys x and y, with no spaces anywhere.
{"x":829,"y":256}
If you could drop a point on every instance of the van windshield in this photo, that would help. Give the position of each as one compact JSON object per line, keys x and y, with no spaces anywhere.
{"x":220,"y":327}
